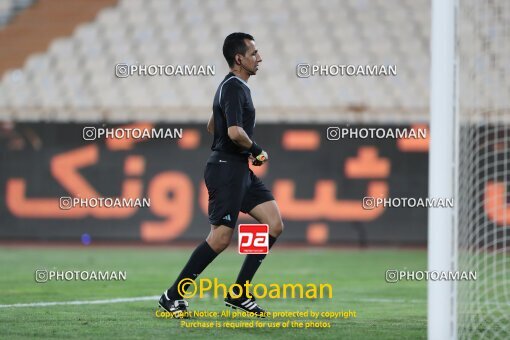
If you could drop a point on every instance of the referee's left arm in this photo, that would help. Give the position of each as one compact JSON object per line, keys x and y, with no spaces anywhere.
{"x":233,"y":102}
{"x":239,"y":137}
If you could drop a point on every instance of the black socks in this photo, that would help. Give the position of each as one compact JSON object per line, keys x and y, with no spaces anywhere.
{"x":199,"y":260}
{"x":251,"y":264}
{"x":204,"y":255}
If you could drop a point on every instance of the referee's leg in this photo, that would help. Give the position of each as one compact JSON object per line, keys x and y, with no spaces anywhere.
{"x":218,"y":239}
{"x":268,"y":213}
{"x":265,"y":213}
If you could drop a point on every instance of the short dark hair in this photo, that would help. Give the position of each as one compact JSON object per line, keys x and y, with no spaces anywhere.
{"x":234,"y":44}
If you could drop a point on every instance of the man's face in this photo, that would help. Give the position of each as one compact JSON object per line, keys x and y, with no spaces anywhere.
{"x":251,"y":59}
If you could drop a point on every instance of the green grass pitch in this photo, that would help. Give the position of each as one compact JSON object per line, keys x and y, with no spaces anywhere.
{"x":383,"y":310}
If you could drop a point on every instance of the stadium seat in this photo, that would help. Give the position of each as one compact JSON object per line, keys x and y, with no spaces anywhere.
{"x":79,"y":69}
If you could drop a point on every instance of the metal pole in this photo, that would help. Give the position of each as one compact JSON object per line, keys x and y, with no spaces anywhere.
{"x":441,"y":297}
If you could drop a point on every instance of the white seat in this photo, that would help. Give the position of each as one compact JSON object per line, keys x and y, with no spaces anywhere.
{"x":79,"y":70}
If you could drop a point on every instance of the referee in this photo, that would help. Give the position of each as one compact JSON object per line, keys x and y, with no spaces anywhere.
{"x":232,"y":186}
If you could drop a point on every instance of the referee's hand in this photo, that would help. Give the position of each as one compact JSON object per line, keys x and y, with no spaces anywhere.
{"x":260,"y":159}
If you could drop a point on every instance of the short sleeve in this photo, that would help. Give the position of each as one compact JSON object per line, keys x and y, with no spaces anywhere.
{"x":232,"y":102}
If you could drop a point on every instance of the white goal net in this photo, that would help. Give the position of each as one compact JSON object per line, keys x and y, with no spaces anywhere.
{"x":482,"y":223}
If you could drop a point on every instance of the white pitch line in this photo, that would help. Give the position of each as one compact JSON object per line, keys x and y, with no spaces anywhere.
{"x":384,"y":300}
{"x":156,"y":298}
{"x":89,"y":302}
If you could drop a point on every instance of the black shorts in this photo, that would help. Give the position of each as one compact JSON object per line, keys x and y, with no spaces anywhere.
{"x":232,"y":187}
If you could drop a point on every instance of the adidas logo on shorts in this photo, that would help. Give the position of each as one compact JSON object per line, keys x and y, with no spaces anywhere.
{"x":226,"y":217}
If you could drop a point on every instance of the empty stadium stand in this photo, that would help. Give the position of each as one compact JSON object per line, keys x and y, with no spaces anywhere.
{"x":9,"y":9}
{"x":74,"y":80}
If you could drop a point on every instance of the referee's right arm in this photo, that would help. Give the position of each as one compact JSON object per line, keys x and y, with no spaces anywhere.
{"x":210,"y":124}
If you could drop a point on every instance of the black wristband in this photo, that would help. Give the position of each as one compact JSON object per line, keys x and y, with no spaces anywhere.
{"x":255,"y":150}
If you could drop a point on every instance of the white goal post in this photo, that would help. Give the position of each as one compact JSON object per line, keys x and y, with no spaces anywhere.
{"x":440,"y":307}
{"x":470,"y":161}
